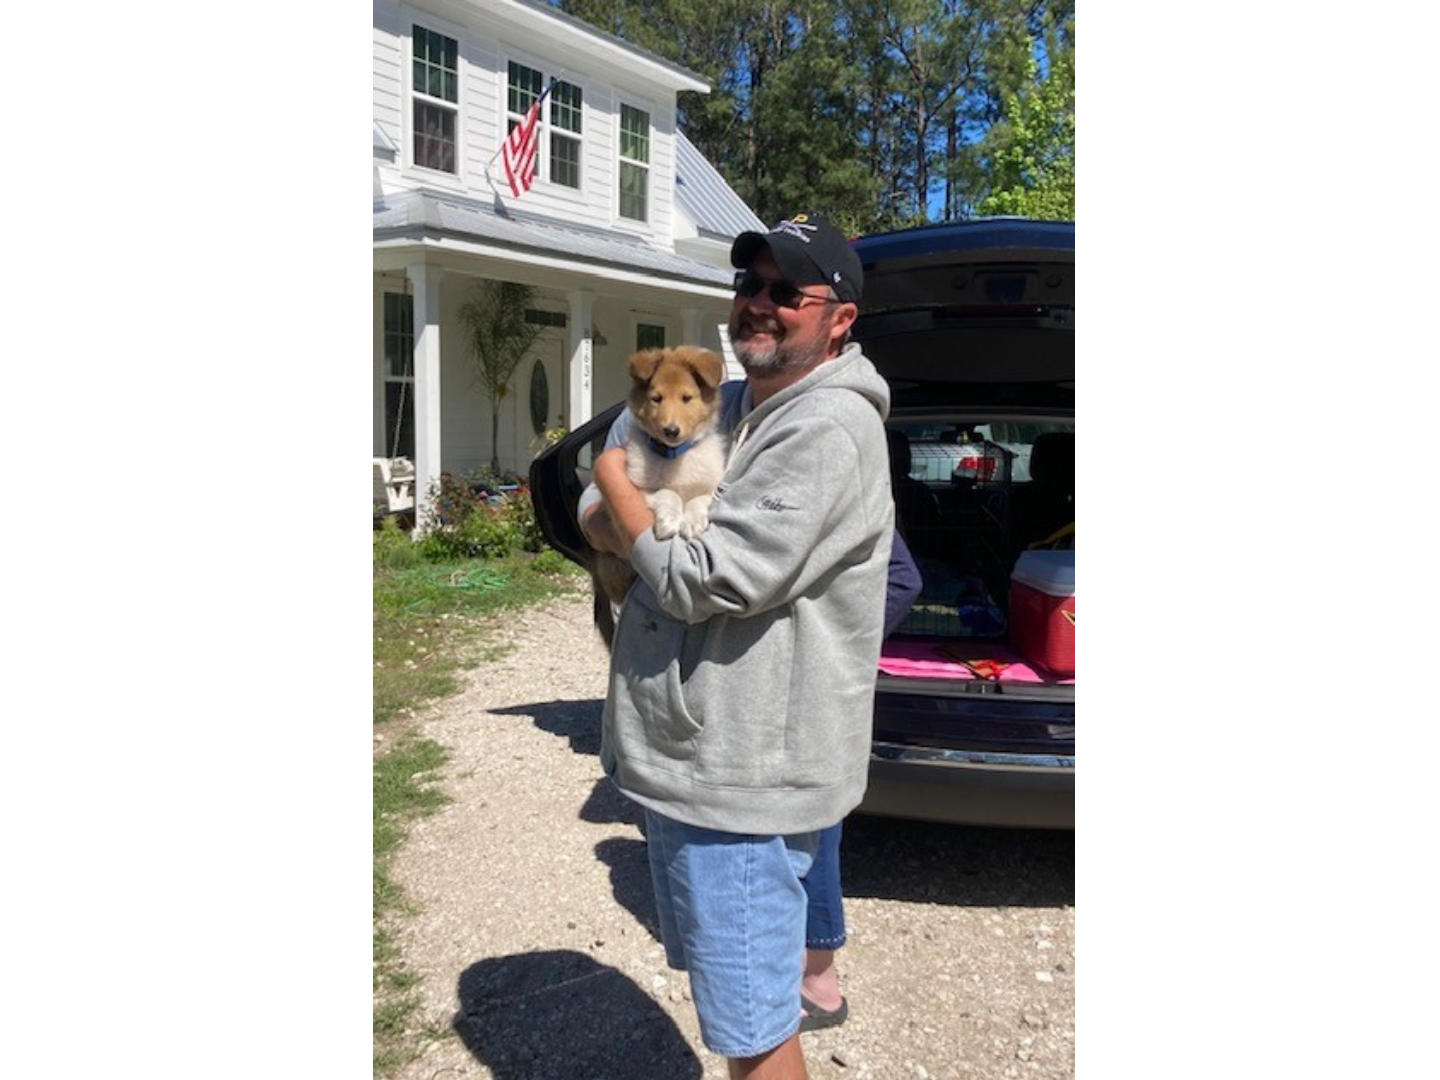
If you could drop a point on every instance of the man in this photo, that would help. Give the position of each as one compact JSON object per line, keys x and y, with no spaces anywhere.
{"x":742,"y":672}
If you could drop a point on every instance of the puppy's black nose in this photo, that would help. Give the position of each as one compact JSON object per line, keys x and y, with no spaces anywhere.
{"x":671,"y":430}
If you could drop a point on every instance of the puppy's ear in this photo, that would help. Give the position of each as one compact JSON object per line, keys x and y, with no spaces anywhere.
{"x":707,"y":367}
{"x":644,"y":364}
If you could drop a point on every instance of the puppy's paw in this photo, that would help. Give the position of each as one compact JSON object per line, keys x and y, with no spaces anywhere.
{"x":696,"y":518}
{"x":669,"y":513}
{"x":667,"y":524}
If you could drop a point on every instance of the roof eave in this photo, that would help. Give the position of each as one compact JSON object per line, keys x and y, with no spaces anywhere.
{"x":543,"y":19}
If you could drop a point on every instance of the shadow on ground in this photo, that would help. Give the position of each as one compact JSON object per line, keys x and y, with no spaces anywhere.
{"x":920,"y":861}
{"x":561,"y":1016}
{"x":885,"y":859}
{"x":888,"y":858}
{"x":578,"y":721}
{"x":630,"y":882}
{"x":607,"y":804}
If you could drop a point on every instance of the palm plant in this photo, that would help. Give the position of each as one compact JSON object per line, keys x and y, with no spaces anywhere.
{"x":493,"y":318}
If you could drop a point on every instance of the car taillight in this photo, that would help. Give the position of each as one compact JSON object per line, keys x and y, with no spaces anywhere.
{"x":981,"y":468}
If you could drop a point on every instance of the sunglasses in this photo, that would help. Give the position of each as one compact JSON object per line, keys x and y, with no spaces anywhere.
{"x":784,"y":294}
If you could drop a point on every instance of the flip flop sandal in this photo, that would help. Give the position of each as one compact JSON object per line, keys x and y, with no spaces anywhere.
{"x":815,"y":1017}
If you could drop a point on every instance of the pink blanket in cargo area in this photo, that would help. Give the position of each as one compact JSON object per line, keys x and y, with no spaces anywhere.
{"x":933,"y":660}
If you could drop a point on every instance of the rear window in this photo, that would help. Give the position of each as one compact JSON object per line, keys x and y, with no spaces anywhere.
{"x":947,"y":452}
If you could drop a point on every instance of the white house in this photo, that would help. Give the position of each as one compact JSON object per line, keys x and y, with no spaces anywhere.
{"x":625,"y":233}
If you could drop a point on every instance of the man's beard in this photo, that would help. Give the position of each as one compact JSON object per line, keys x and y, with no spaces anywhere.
{"x":779,"y":357}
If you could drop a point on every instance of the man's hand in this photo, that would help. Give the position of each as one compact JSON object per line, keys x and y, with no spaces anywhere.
{"x":629,"y":514}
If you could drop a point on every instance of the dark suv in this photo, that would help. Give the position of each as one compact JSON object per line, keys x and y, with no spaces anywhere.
{"x":972,"y":325}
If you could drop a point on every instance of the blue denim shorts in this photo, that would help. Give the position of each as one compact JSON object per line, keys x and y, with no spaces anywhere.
{"x":825,"y":914}
{"x":732,"y":914}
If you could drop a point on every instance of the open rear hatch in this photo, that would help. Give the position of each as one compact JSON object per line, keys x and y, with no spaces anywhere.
{"x":1244,"y":604}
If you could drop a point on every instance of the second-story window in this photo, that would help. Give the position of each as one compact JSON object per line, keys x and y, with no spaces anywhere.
{"x":561,"y":115}
{"x":565,"y":114}
{"x":634,"y":163}
{"x":435,"y":85}
{"x":521,"y":90}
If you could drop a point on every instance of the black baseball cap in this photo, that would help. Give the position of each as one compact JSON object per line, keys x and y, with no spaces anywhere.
{"x":809,"y":251}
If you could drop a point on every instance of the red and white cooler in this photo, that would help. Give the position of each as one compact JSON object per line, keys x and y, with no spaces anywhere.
{"x":1229,"y":614}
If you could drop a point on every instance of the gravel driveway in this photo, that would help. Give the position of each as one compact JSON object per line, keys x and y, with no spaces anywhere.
{"x":535,"y":931}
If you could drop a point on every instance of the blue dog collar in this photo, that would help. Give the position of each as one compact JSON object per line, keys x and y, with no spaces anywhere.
{"x":669,"y":451}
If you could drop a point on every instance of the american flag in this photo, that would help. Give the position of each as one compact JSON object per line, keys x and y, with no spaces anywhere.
{"x":521,"y":148}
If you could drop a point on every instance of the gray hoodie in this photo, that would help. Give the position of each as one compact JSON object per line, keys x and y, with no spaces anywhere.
{"x":742,"y":677}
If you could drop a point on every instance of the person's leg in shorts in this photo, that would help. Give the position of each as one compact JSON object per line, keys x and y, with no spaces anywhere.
{"x":821,"y":1000}
{"x":732,"y":914}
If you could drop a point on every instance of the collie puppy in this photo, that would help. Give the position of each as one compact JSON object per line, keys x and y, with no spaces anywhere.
{"x":675,"y":455}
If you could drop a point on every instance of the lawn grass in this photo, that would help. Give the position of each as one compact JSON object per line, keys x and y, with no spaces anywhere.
{"x":428,"y":615}
{"x":429,"y":624}
{"x":403,"y":788}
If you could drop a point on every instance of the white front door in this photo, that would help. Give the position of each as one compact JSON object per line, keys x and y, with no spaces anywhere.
{"x":539,"y":397}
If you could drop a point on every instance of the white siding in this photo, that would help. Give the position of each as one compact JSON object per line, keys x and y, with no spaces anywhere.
{"x":464,"y":409}
{"x":611,"y":374}
{"x":662,"y":170}
{"x":600,"y":175}
{"x":483,"y":121}
{"x":386,"y":63}
{"x":486,"y":47}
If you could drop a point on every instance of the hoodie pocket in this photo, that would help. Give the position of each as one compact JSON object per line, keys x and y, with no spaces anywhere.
{"x":743,"y":692}
{"x":647,"y":664}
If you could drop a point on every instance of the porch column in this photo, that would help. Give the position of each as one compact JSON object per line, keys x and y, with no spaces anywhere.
{"x":690,"y":331}
{"x":581,"y":404}
{"x":425,"y":283}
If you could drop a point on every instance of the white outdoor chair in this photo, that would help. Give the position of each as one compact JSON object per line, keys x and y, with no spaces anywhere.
{"x":394,"y":485}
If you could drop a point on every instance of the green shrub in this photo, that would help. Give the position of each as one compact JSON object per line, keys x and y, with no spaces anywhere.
{"x":482,"y":534}
{"x":481,"y":515}
{"x":393,"y":547}
{"x":519,"y":511}
{"x":551,"y":561}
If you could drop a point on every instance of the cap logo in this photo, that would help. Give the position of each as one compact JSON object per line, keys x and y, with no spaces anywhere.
{"x":797,"y":228}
